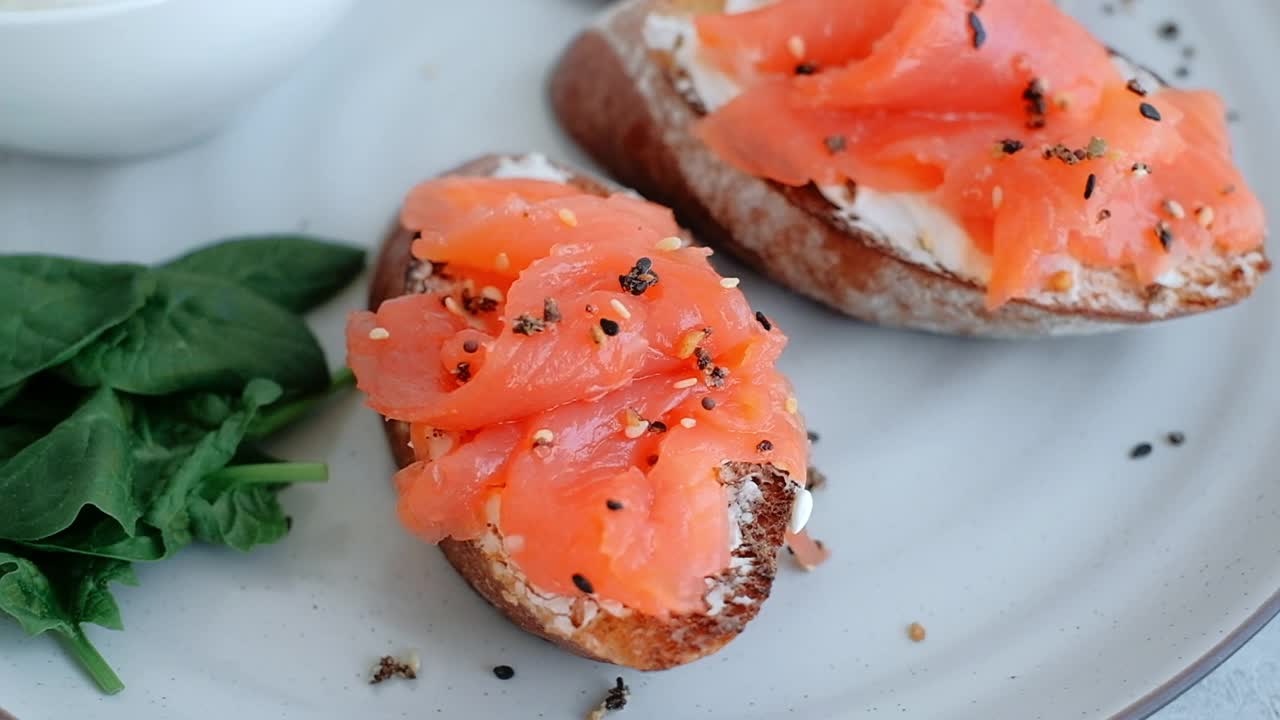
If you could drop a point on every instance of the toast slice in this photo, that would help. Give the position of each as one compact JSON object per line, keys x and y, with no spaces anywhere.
{"x":760,"y":501}
{"x":633,"y":108}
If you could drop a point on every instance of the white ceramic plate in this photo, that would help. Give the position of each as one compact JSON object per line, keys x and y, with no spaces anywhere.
{"x":981,"y":488}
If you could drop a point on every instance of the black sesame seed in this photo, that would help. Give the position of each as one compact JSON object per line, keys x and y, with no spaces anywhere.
{"x":1010,"y":146}
{"x":813,"y":436}
{"x":979,"y":32}
{"x":1136,"y":88}
{"x":1169,"y":30}
{"x":504,"y":672}
{"x":805,"y":68}
{"x":708,"y":403}
{"x":1149,"y":111}
{"x":609,"y":327}
{"x":1090,"y":184}
{"x":470,"y":346}
{"x":764,"y":446}
{"x":1140,"y":450}
{"x":1175,"y":438}
{"x":613,"y":504}
{"x":583,"y":584}
{"x":764,"y":321}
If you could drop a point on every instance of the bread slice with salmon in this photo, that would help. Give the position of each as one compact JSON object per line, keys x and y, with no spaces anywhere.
{"x":586,"y":416}
{"x":958,"y":167}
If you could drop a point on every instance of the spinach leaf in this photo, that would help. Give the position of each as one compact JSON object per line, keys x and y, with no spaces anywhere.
{"x":84,"y":460}
{"x":283,"y":414}
{"x":51,"y":307}
{"x":237,"y":506}
{"x":295,"y":271}
{"x":14,"y":438}
{"x":74,"y":590}
{"x":202,"y":333}
{"x":98,"y":536}
{"x":8,"y":394}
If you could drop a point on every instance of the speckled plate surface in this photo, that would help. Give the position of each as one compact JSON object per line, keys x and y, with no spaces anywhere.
{"x":983,"y":489}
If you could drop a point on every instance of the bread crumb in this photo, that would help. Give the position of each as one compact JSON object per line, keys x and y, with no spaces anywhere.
{"x":389,"y":667}
{"x":916,"y":632}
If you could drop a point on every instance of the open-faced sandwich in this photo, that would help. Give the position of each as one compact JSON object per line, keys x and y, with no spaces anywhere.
{"x":970,"y":166}
{"x":587,"y":416}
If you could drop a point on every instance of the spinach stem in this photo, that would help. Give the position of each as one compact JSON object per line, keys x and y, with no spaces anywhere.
{"x":271,"y":474}
{"x":92,"y":661}
{"x":274,"y":418}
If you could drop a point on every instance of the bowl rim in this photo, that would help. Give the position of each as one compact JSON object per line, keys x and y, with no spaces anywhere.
{"x":72,"y":13}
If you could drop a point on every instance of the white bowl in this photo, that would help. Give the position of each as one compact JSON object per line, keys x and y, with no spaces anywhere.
{"x":109,"y":78}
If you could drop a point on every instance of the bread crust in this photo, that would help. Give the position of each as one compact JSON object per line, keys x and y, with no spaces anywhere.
{"x":600,"y":630}
{"x":619,"y":101}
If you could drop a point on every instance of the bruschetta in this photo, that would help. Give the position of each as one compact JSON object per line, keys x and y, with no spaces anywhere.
{"x":959,"y":166}
{"x":587,"y":417}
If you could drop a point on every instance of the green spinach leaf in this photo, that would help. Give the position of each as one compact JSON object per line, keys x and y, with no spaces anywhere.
{"x":295,"y":271}
{"x":84,"y":461}
{"x":51,"y":307}
{"x":202,"y":333}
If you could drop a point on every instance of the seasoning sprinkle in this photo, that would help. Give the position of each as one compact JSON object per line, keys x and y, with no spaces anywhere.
{"x":1036,"y":106}
{"x":591,"y":309}
{"x":764,"y":446}
{"x":708,"y":403}
{"x":583,"y":583}
{"x":543,"y":437}
{"x":489,"y":292}
{"x":640,"y":277}
{"x":685,"y":383}
{"x":1010,"y":146}
{"x":1164,"y":235}
{"x":379,"y":333}
{"x":657,"y":427}
{"x":1204,"y":216}
{"x":452,"y":306}
{"x":1168,"y":30}
{"x":764,"y":321}
{"x":619,"y":308}
{"x":1175,"y":438}
{"x":617,"y":697}
{"x":689,"y":342}
{"x":669,"y":243}
{"x":1141,"y":169}
{"x":1090,"y":184}
{"x":1135,"y":87}
{"x":1061,"y":281}
{"x":1174,"y":208}
{"x":916,"y":632}
{"x":795,"y":45}
{"x":729,"y":283}
{"x":389,"y":667}
{"x":504,"y":672}
{"x":835,"y":143}
{"x":609,"y":327}
{"x":567,"y":217}
{"x":550,"y":310}
{"x":1103,"y":214}
{"x":1140,"y":450}
{"x":1096,"y":149}
{"x":463,"y":371}
{"x":805,"y":68}
{"x":612,"y":504}
{"x":527,"y":324}
{"x":979,"y":32}
{"x":688,"y":422}
{"x":597,"y":335}
{"x":633,"y":426}
{"x":1149,"y":111}
{"x":470,"y":346}
{"x":997,"y":197}
{"x":501,"y":261}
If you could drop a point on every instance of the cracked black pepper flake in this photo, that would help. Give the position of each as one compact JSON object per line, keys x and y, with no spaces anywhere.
{"x":1010,"y":146}
{"x":835,"y":143}
{"x":1140,"y":450}
{"x":1149,"y":111}
{"x":1090,"y":184}
{"x":612,"y":504}
{"x":764,"y":321}
{"x":504,"y":672}
{"x":813,"y":436}
{"x":1036,"y":104}
{"x":463,"y":371}
{"x":610,"y":327}
{"x":1175,"y":438}
{"x":476,"y":304}
{"x":528,"y":325}
{"x":657,"y":426}
{"x":1182,"y":72}
{"x":470,"y":346}
{"x":1164,"y":235}
{"x":979,"y":32}
{"x":639,"y":278}
{"x":703,"y":358}
{"x":617,"y":697}
{"x":1169,"y":30}
{"x":805,"y":68}
{"x":550,"y":310}
{"x":708,"y":403}
{"x":389,"y":667}
{"x":583,"y":584}
{"x":764,"y":446}
{"x":1136,"y":88}
{"x":1103,"y":214}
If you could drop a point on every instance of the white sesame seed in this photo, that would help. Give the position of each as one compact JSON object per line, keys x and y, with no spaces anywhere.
{"x":685,"y":383}
{"x":597,"y":335}
{"x":491,"y":292}
{"x":795,"y":45}
{"x":801,"y":509}
{"x":1174,"y":208}
{"x":1204,"y":215}
{"x":452,"y":306}
{"x":792,"y":405}
{"x":669,"y":243}
{"x":379,"y":333}
{"x":567,"y":217}
{"x":544,"y":437}
{"x":501,"y":261}
{"x":688,"y":422}
{"x":635,"y":430}
{"x":729,"y":282}
{"x":620,"y":308}
{"x":997,"y":197}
